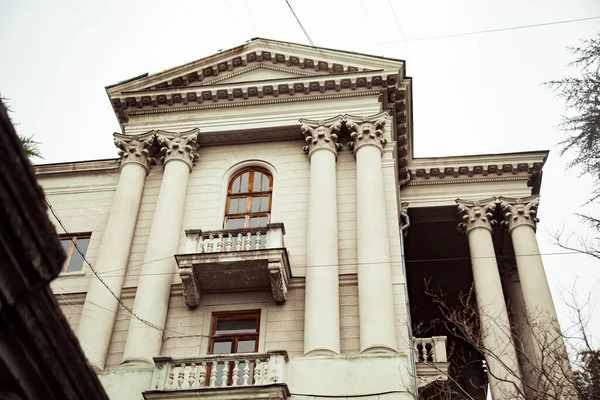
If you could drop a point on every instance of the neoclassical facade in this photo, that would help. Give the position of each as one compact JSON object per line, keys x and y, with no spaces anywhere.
{"x":266,"y":232}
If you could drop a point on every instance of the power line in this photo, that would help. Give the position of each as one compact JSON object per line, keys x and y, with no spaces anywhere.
{"x":300,"y":23}
{"x":148,"y":323}
{"x":566,"y":21}
{"x":399,"y":27}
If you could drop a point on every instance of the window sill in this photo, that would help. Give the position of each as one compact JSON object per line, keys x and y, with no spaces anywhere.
{"x":73,"y":274}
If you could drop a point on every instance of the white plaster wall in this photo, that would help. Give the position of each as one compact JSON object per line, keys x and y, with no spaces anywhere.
{"x":82,"y":201}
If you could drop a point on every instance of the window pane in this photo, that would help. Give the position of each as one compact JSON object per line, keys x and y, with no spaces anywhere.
{"x":223,"y":347}
{"x":233,"y":206}
{"x":242,"y":205}
{"x":235,"y":188}
{"x":66,"y":245}
{"x":265,"y":183}
{"x":256,"y":184}
{"x":253,"y":222}
{"x":262,"y":221}
{"x":76,"y":262}
{"x":245,"y":178}
{"x":234,"y":223}
{"x":264,"y":203}
{"x":255,"y":204}
{"x":228,"y":326}
{"x":246,"y":346}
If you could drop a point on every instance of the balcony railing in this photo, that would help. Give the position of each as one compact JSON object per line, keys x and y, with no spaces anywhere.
{"x":266,"y":371}
{"x":234,"y":259}
{"x":431,"y":349}
{"x":431,"y":359}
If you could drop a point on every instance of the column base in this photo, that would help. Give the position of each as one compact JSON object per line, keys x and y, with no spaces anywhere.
{"x":136,"y":362}
{"x":378,"y":349}
{"x":320,"y":352}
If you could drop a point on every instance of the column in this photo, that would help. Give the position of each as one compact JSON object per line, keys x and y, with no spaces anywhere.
{"x":551,"y":364}
{"x":154,"y":287}
{"x":497,"y":344}
{"x":322,"y":300}
{"x":375,"y":297}
{"x":100,"y":307}
{"x":518,"y":316}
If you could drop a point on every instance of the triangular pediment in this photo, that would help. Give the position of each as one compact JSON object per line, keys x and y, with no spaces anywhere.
{"x":260,"y":72}
{"x":259,"y":60}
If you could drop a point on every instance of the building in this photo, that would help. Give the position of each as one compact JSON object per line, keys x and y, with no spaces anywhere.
{"x":266,"y":233}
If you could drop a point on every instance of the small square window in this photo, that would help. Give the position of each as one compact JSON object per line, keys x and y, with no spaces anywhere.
{"x":75,"y":248}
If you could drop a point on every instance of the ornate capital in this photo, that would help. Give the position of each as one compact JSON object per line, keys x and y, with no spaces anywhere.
{"x":182,"y":146}
{"x":520,"y":211}
{"x":476,"y":214}
{"x":366,"y":131}
{"x":136,"y":149}
{"x":321,"y":134}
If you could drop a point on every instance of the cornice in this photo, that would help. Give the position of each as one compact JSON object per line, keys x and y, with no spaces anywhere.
{"x":93,"y":166}
{"x":525,"y":178}
{"x":450,"y":172}
{"x":246,"y":93}
{"x":254,"y":68}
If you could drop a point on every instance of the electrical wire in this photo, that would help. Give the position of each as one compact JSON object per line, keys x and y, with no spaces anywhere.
{"x":300,"y":23}
{"x":399,"y":27}
{"x":566,"y":21}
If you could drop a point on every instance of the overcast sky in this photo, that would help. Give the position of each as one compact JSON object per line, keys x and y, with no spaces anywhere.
{"x":472,"y":94}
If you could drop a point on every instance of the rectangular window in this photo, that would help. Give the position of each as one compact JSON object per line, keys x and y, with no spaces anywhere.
{"x":75,"y":248}
{"x":234,"y":333}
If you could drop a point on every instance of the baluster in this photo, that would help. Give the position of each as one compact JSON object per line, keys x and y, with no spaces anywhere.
{"x":213,"y":374}
{"x":225,"y":374}
{"x":236,"y":373}
{"x":171,"y":376}
{"x":181,"y":376}
{"x":210,"y":244}
{"x":246,"y":373}
{"x":422,"y":353}
{"x":257,"y":244}
{"x":265,"y":373}
{"x":432,"y":353}
{"x":248,"y":241}
{"x":220,"y":243}
{"x":240,"y":241}
{"x":201,"y":245}
{"x":229,"y":242}
{"x":192,"y":376}
{"x":202,"y":375}
{"x":257,"y":367}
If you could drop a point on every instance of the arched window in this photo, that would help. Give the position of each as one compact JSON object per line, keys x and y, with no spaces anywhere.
{"x":249,"y":199}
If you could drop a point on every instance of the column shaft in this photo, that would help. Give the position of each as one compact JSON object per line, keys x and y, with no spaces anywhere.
{"x":495,"y":326}
{"x":375,"y":296}
{"x":322,"y":301}
{"x":100,"y":307}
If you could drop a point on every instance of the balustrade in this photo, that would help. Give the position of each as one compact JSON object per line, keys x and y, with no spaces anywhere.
{"x":220,"y":371}
{"x":242,"y":239}
{"x":429,"y":350}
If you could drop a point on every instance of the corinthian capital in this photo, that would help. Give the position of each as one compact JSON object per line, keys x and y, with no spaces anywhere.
{"x":476,"y":214}
{"x":519,"y":211}
{"x":321,"y":134}
{"x":182,"y":146}
{"x":135,"y":149}
{"x":366,"y":131}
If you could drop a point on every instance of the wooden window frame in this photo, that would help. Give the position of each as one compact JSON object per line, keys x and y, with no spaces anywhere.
{"x":73,"y":238}
{"x":234,"y":337}
{"x":248,"y":195}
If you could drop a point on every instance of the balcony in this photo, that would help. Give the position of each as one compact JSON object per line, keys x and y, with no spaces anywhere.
{"x":235,"y":376}
{"x":431,"y":359}
{"x":234,"y":259}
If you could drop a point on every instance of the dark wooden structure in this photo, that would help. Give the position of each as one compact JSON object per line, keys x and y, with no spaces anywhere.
{"x":40,"y":357}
